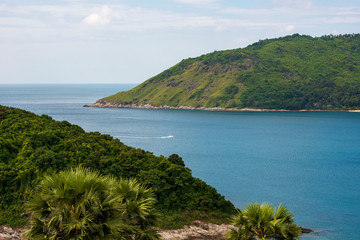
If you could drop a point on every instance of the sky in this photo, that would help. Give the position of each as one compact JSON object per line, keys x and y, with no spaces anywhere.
{"x":129,"y":41}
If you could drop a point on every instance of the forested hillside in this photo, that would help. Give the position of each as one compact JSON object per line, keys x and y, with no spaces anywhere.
{"x":31,"y":145}
{"x":293,"y":72}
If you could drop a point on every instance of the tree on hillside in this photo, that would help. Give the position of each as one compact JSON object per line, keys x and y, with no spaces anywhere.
{"x":82,"y":204}
{"x":139,"y":209}
{"x":264,"y":222}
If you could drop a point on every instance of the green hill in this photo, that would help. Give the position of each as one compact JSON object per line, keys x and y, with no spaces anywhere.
{"x":32,"y":145}
{"x":293,"y":72}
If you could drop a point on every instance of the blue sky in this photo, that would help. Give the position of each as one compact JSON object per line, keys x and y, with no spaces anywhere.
{"x":115,"y":41}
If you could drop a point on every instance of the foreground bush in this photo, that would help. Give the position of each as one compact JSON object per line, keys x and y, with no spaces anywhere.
{"x":82,"y":204}
{"x":264,"y":222}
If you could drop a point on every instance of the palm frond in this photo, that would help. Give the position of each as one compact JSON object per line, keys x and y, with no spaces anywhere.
{"x":82,"y":204}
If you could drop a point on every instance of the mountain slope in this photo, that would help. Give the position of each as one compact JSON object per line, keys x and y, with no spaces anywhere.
{"x":32,"y":145}
{"x":292,"y":72}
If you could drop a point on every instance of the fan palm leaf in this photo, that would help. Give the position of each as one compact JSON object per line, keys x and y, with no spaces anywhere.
{"x":82,"y":204}
{"x":264,"y":222}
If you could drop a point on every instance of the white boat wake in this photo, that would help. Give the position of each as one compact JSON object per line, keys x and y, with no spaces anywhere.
{"x":170,"y":136}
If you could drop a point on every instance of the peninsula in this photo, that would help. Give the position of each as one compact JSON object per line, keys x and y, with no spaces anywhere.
{"x":296,"y":72}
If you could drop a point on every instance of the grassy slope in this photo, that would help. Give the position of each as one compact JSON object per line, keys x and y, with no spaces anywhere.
{"x":31,"y":146}
{"x":293,"y":72}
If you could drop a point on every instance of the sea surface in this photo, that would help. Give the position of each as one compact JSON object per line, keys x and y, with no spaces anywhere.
{"x":310,"y":161}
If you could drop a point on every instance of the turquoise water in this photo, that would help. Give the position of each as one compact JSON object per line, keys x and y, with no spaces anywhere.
{"x":310,"y":161}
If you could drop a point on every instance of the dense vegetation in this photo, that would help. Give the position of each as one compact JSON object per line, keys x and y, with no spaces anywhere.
{"x":81,"y":204}
{"x":264,"y":222}
{"x":292,"y":72}
{"x":31,"y":146}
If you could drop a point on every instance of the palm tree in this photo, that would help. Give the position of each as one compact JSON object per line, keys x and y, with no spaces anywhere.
{"x":265,"y":223}
{"x":139,"y":208}
{"x":284,"y":224}
{"x":82,"y":204}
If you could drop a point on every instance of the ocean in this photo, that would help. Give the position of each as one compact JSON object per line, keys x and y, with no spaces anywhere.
{"x":309,"y":161}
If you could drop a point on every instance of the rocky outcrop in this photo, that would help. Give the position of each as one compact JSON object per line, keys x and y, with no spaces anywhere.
{"x":197,"y":231}
{"x":8,"y":233}
{"x":106,"y":104}
{"x":306,"y":230}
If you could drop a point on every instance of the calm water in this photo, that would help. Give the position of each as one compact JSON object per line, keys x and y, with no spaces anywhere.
{"x":308,"y":161}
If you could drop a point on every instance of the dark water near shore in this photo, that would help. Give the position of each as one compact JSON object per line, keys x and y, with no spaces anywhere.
{"x":310,"y":161}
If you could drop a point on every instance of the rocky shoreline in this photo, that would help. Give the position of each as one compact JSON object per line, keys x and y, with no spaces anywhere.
{"x":105,"y":104}
{"x":197,"y":230}
{"x":8,"y":233}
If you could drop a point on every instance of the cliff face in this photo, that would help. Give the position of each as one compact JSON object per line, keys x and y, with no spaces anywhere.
{"x":293,"y":72}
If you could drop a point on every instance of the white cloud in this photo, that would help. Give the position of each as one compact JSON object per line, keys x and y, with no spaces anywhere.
{"x":245,"y":11}
{"x":197,"y":2}
{"x":58,"y":34}
{"x":298,"y":4}
{"x":289,"y":28}
{"x":105,"y":11}
{"x":96,"y":19}
{"x":101,"y":17}
{"x":340,"y":20}
{"x":68,"y":20}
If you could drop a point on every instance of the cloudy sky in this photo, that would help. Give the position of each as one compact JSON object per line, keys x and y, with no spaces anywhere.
{"x":128,"y":41}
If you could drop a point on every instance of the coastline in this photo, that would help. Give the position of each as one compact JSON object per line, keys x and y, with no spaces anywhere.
{"x":196,"y":230}
{"x":105,"y":104}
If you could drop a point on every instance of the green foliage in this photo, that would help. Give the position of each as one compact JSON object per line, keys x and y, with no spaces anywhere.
{"x":264,"y":222}
{"x":82,"y":204}
{"x":8,"y":218}
{"x":176,"y":159}
{"x":231,"y":90}
{"x":292,"y":72}
{"x":175,"y":70}
{"x":32,"y":146}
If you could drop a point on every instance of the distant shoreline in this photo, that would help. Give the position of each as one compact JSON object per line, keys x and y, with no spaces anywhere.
{"x":104,"y":104}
